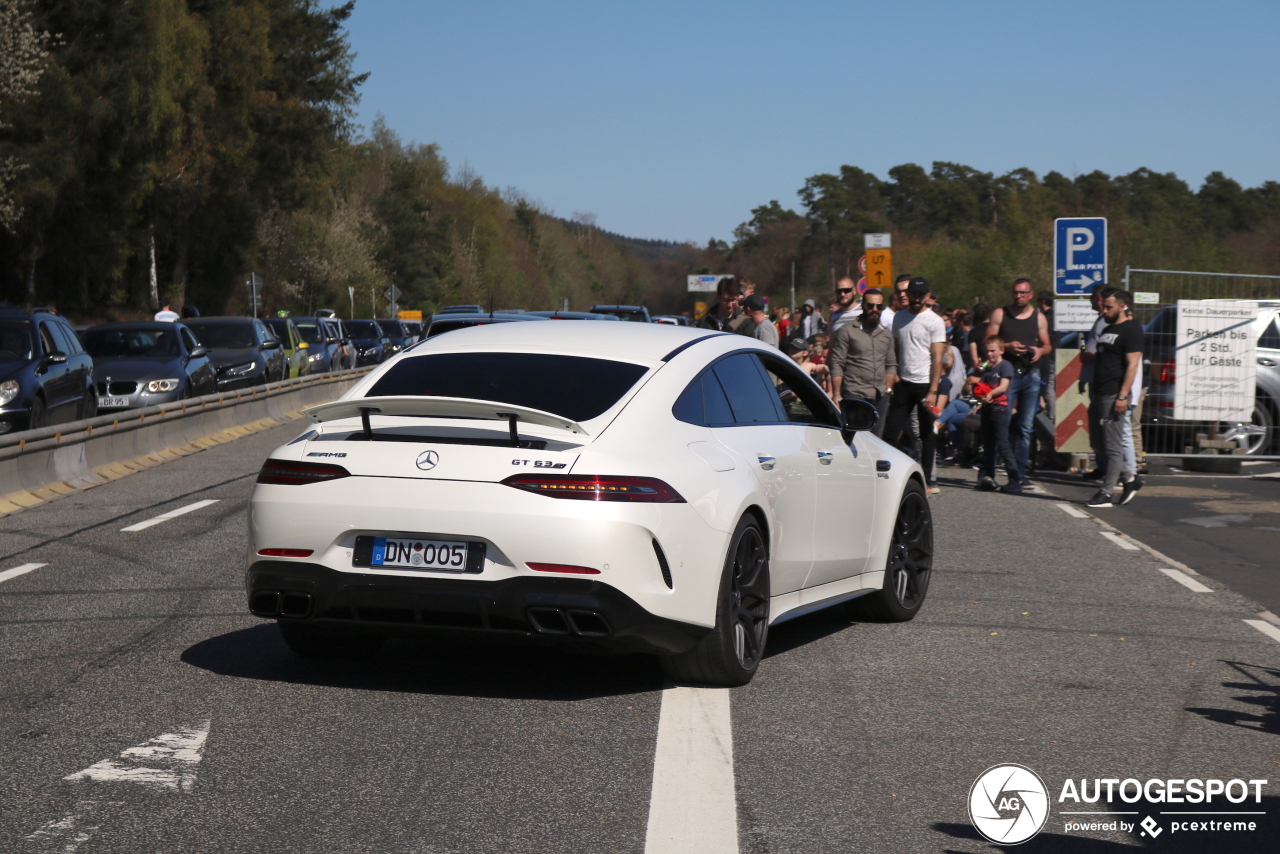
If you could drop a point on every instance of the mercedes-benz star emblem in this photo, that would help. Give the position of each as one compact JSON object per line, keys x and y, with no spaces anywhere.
{"x":427,"y":460}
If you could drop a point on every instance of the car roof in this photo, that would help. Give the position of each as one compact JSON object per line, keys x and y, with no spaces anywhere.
{"x":192,"y":321}
{"x":642,"y":342}
{"x":621,"y":307}
{"x":139,"y":324}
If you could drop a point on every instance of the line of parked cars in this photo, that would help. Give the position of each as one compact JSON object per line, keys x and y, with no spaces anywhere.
{"x":51,"y":373}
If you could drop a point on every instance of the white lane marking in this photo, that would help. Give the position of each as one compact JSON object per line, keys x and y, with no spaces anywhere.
{"x":1073,"y":511}
{"x":693,"y":808}
{"x":167,"y":761}
{"x":172,"y":514}
{"x":1121,"y":541}
{"x":1266,"y":628}
{"x":69,"y":832}
{"x":20,"y":570}
{"x":1185,"y":580}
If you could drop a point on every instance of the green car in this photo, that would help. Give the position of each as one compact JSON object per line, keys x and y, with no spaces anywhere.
{"x":295,"y":349}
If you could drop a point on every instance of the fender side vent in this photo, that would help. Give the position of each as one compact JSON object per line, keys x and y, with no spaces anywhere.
{"x":662,"y":564}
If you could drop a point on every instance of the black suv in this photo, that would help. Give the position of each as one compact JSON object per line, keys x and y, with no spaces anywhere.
{"x":46,"y":377}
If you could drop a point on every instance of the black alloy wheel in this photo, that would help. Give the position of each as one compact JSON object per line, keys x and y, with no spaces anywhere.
{"x":731,"y":653}
{"x":909,"y":565}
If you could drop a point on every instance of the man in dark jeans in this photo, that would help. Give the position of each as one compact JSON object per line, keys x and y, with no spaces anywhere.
{"x":1025,"y":333}
{"x":921,"y":338}
{"x":863,"y":360}
{"x":1116,"y":367}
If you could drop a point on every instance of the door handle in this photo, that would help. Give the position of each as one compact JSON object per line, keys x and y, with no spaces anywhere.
{"x":1267,"y":363}
{"x":825,"y":458}
{"x":766,"y":463}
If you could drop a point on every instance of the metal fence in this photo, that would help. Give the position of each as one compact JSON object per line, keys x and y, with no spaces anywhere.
{"x":1162,"y":435}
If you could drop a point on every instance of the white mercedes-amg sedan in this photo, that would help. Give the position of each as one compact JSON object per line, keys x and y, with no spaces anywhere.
{"x":635,"y":487}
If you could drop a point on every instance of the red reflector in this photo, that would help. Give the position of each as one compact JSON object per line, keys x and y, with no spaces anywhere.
{"x":563,"y":567}
{"x":597,"y":487}
{"x":1168,"y":372}
{"x":285,"y":552}
{"x":288,"y":473}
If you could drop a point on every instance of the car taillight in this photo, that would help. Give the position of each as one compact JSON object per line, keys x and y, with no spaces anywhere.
{"x":1168,"y":372}
{"x":566,"y":568}
{"x":287,"y":473}
{"x":597,"y":488}
{"x":285,"y":552}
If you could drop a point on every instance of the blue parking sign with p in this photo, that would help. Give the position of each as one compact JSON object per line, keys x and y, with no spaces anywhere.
{"x":1079,"y":254}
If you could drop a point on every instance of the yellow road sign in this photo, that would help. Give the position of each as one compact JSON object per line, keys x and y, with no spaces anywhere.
{"x":879,"y":268}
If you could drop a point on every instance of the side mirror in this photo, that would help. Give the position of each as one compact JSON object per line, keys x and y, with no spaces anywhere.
{"x":859,"y":416}
{"x":302,"y":345}
{"x":57,"y":357}
{"x":199,"y":352}
{"x":271,"y":345}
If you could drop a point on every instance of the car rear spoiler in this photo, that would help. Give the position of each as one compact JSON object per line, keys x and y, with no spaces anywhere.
{"x":439,"y":407}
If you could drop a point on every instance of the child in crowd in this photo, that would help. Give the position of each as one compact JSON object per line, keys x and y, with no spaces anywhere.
{"x":991,"y":380}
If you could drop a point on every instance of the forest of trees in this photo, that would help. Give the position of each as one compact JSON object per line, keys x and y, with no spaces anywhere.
{"x":971,"y":233}
{"x":166,"y":149}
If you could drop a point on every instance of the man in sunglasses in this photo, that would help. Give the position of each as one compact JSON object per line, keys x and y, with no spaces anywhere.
{"x":863,"y":360}
{"x":846,"y":305}
{"x":1025,"y":332}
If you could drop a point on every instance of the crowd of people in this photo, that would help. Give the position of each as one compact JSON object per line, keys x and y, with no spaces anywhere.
{"x":962,"y":387}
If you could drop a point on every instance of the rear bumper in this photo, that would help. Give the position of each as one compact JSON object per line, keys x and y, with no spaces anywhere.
{"x":557,"y":610}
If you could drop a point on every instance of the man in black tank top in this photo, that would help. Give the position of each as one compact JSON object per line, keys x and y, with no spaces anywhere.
{"x":1026,"y":334}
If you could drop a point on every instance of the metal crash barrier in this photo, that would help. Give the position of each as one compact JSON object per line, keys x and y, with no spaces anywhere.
{"x":37,"y":465}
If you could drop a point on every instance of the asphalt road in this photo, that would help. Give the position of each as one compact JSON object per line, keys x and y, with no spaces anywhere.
{"x":132,"y":667}
{"x":1224,"y":526}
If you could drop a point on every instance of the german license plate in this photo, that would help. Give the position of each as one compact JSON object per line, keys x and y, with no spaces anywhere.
{"x":400,"y":552}
{"x":112,"y":402}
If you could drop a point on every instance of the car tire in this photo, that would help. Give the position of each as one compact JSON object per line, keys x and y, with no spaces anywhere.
{"x":39,"y":414}
{"x":731,"y":653}
{"x":320,"y":642}
{"x":89,"y":406}
{"x":908,"y":567}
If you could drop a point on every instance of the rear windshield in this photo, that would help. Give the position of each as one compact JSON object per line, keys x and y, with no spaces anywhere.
{"x":622,"y":314}
{"x":573,"y":387}
{"x":363,"y":329}
{"x":15,"y":340}
{"x":225,"y":336}
{"x":310,"y":332}
{"x":131,"y":343}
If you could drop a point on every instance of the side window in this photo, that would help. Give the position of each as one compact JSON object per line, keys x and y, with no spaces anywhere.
{"x":66,"y":338}
{"x":264,"y":334}
{"x":752,"y":400}
{"x":48,"y":342}
{"x":1270,"y":338}
{"x":801,"y":401}
{"x":703,"y":403}
{"x":189,"y":340}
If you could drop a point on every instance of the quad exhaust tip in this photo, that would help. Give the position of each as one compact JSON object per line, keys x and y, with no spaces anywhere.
{"x":274,"y":603}
{"x":557,"y":621}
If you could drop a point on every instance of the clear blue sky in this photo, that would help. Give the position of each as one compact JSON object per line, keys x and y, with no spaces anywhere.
{"x":673,"y":120}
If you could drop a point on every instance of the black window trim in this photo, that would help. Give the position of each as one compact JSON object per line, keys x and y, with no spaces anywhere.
{"x":830,"y":408}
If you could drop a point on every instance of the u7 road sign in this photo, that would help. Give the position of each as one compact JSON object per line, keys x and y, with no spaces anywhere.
{"x":1079,"y":254}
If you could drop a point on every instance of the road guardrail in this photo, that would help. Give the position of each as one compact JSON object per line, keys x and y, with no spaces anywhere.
{"x":37,"y":465}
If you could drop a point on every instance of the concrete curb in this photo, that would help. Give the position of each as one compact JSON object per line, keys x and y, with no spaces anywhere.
{"x":39,"y":465}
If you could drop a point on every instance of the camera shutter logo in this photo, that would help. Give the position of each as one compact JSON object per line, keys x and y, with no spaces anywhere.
{"x":1008,"y":804}
{"x":427,"y":460}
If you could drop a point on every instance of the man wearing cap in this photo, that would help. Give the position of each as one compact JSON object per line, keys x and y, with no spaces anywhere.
{"x":921,"y":338}
{"x":764,"y":330}
{"x":864,"y":361}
